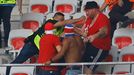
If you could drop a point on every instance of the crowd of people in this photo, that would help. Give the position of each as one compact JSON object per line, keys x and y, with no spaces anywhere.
{"x":89,"y":42}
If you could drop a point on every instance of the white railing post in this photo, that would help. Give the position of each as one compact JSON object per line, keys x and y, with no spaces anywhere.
{"x":82,"y":68}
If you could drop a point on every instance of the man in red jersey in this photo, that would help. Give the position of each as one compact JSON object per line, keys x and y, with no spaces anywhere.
{"x":96,"y":33}
{"x":50,"y":45}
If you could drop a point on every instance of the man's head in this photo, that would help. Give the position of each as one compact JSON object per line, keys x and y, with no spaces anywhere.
{"x":59,"y":16}
{"x":49,"y":28}
{"x":90,"y":8}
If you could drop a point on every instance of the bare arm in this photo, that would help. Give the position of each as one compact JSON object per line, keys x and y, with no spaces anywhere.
{"x":71,"y":21}
{"x":19,"y":2}
{"x":62,"y":52}
{"x":78,"y":30}
{"x":120,"y":3}
{"x":103,"y":7}
{"x":102,"y":33}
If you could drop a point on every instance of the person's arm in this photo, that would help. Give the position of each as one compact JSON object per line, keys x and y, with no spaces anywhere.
{"x":19,"y":2}
{"x":103,"y":7}
{"x":70,"y":21}
{"x":120,"y":3}
{"x":101,"y":34}
{"x":60,"y":53}
{"x":79,"y":31}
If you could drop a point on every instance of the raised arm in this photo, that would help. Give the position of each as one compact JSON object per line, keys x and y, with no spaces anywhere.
{"x":19,"y":2}
{"x":70,"y":21}
{"x":103,"y":7}
{"x":120,"y":3}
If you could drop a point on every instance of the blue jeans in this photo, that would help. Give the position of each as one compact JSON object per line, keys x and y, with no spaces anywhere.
{"x":27,"y":51}
{"x":5,"y":15}
{"x":45,"y":72}
{"x":74,"y":70}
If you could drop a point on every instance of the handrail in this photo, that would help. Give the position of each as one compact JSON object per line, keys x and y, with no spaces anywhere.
{"x":65,"y":64}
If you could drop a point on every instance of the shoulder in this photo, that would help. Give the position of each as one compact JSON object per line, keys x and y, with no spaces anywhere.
{"x":103,"y":17}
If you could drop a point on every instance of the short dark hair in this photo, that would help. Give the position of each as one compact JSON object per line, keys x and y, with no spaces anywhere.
{"x":91,"y":5}
{"x":58,"y":13}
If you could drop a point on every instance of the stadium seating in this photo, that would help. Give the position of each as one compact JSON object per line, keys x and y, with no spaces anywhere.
{"x":103,"y":70}
{"x":40,"y":6}
{"x":122,"y":69}
{"x":2,"y":70}
{"x":22,"y":70}
{"x":127,"y":54}
{"x":32,"y":20}
{"x":122,"y":37}
{"x":65,"y":6}
{"x":16,"y":40}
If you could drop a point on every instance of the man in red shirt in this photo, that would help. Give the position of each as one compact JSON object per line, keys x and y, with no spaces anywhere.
{"x":50,"y":45}
{"x":96,"y":33}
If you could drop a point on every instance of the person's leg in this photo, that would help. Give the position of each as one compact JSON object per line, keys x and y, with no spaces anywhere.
{"x":1,"y":12}
{"x":6,"y":22}
{"x":94,"y":55}
{"x":27,"y":51}
{"x":88,"y":57}
{"x":100,"y":56}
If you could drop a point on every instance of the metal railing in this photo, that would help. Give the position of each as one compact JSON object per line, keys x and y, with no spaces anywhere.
{"x":66,"y":64}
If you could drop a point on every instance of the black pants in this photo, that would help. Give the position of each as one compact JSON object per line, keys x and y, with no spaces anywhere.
{"x":118,"y":14}
{"x":27,"y":51}
{"x":5,"y":15}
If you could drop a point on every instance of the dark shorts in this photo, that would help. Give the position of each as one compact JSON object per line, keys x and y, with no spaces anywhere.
{"x":93,"y":54}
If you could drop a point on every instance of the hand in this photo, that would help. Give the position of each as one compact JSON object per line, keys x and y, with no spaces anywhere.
{"x":48,"y":63}
{"x":20,"y":12}
{"x":91,"y":38}
{"x":120,"y":3}
{"x":85,"y":40}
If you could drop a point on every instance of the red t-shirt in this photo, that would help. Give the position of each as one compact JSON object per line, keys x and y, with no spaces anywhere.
{"x":101,"y":21}
{"x":48,"y":50}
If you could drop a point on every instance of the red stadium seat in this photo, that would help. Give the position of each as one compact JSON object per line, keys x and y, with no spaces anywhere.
{"x":32,"y":20}
{"x":19,"y":74}
{"x":64,"y":8}
{"x":109,"y":58}
{"x":17,"y":42}
{"x":128,"y":57}
{"x":123,"y":41}
{"x":34,"y":25}
{"x":122,"y":73}
{"x":39,"y":8}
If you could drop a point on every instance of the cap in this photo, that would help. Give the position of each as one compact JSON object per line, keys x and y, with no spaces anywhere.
{"x":49,"y":28}
{"x":91,"y":5}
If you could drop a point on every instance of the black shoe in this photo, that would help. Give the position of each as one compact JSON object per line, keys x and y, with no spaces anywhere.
{"x":127,"y":22}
